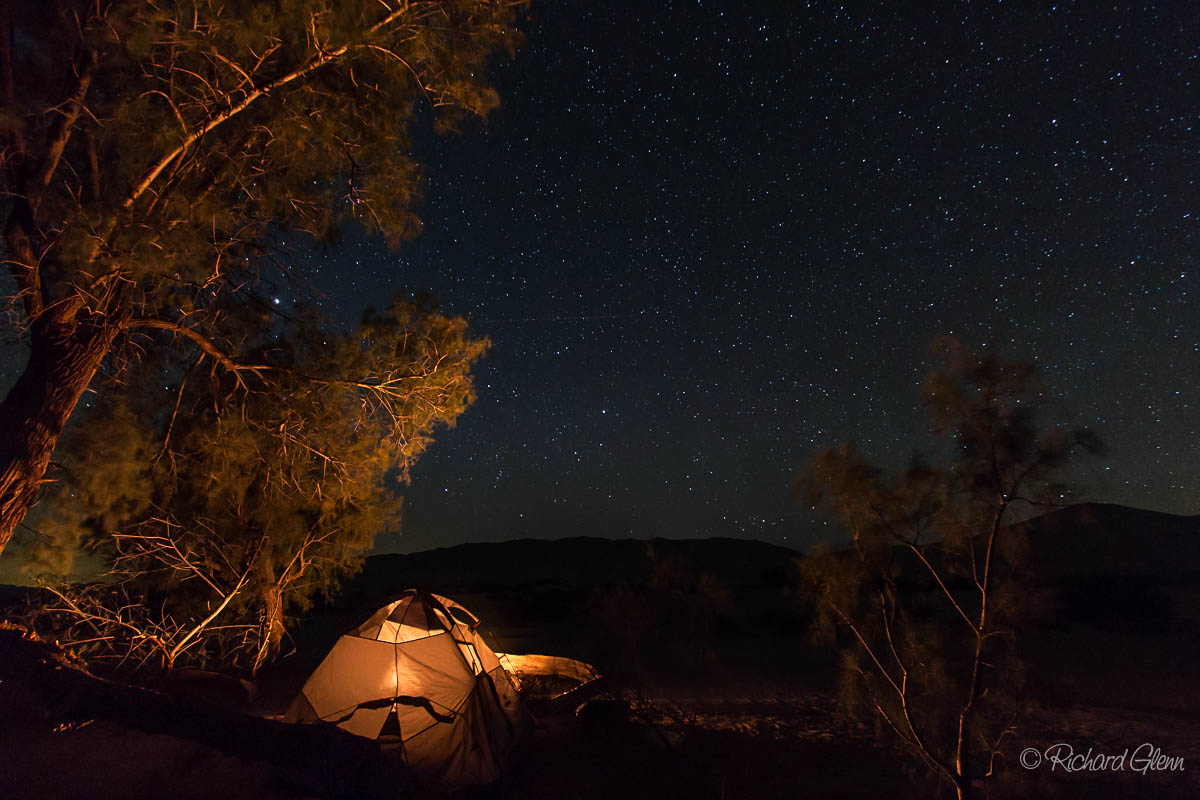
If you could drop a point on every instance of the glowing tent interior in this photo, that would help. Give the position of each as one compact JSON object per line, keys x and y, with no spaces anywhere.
{"x":419,"y":677}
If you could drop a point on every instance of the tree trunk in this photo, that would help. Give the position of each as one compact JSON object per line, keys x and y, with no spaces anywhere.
{"x":271,"y":632}
{"x":62,"y":360}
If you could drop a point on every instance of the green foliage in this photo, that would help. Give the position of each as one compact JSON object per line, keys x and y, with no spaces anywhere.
{"x":167,"y":163}
{"x":288,"y":115}
{"x":157,"y":176}
{"x":927,"y":602}
{"x":191,"y":485}
{"x":109,"y":482}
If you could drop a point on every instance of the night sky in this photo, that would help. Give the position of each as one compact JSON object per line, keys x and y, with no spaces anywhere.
{"x":707,"y":238}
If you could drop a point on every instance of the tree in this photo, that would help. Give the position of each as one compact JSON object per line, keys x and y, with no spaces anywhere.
{"x":928,"y":599}
{"x":221,"y":509}
{"x":154,"y":153}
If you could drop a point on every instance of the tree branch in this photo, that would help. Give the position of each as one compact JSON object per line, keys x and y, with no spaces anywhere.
{"x":60,"y":132}
{"x":921,"y":557}
{"x":204,"y":623}
{"x":325,"y":57}
{"x":201,"y":341}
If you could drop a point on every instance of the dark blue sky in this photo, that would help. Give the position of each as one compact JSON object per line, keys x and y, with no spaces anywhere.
{"x":706,"y":238}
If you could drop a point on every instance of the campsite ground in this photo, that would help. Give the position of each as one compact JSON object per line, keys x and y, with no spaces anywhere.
{"x":727,"y":697}
{"x":761,"y":743}
{"x":730,"y":699}
{"x":790,"y":745}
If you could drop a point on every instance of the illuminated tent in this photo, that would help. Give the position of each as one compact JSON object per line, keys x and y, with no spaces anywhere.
{"x":418,"y":677}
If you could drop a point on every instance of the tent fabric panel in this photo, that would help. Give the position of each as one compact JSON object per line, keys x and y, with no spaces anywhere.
{"x":413,"y":720}
{"x":509,"y":669}
{"x":301,"y":710}
{"x":501,"y":726}
{"x":365,"y":722}
{"x":467,"y":629}
{"x":471,"y":656}
{"x":442,"y":753}
{"x":433,"y":668}
{"x":445,"y":622}
{"x":399,"y":632}
{"x":459,"y":620}
{"x":490,"y":720}
{"x":406,"y":619}
{"x":400,"y":608}
{"x":461,"y":614}
{"x":506,"y":693}
{"x":355,"y":671}
{"x":453,"y":605}
{"x":468,"y":751}
{"x":367,"y":630}
{"x":487,"y":656}
{"x":414,"y":619}
{"x":370,"y":628}
{"x":401,"y":620}
{"x":443,"y":703}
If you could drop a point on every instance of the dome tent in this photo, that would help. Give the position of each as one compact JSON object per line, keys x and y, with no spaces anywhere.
{"x":419,"y":677}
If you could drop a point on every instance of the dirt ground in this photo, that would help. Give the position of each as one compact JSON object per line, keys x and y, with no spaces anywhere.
{"x":733,"y":743}
{"x":104,"y":760}
{"x":764,"y":742}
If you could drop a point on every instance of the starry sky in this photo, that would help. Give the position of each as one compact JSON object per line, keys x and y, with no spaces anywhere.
{"x":706,"y":238}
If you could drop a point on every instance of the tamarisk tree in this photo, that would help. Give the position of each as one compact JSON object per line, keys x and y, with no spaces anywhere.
{"x":928,"y":600}
{"x":153,"y":151}
{"x":220,"y":509}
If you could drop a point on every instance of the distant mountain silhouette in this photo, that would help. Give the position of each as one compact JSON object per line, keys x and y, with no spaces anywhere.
{"x":573,"y":563}
{"x":541,"y":596}
{"x":1093,"y":540}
